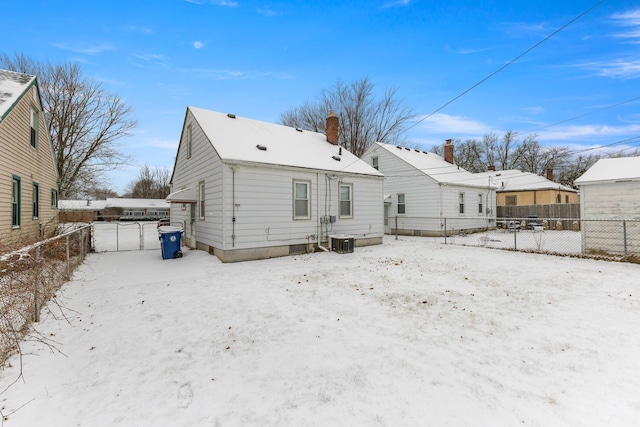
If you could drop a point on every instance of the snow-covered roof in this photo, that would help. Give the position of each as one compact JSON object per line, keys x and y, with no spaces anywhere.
{"x":82,"y":205}
{"x":95,"y":205}
{"x":12,"y":86}
{"x":433,"y":166}
{"x":616,"y":169}
{"x":516,"y":180}
{"x":137,"y":203}
{"x":238,"y":139}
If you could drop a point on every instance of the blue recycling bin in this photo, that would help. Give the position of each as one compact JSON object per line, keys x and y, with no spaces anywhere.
{"x":170,"y":241}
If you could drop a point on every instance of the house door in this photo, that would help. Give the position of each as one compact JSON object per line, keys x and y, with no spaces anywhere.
{"x":191,"y":229}
{"x":387,"y":227}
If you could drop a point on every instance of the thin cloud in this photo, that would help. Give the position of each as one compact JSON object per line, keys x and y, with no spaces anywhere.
{"x":136,"y":29}
{"x":526,"y":29}
{"x":398,"y":3}
{"x":629,"y":19}
{"x":266,"y":11}
{"x":534,"y":110}
{"x":618,"y":68}
{"x":466,"y":51}
{"x":198,"y":44}
{"x":228,"y":74}
{"x":87,"y":50}
{"x":225,"y":3}
{"x":151,"y":59}
{"x":580,"y":133}
{"x":454,"y":125}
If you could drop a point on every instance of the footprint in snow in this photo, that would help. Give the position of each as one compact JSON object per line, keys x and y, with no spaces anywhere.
{"x":185,"y":395}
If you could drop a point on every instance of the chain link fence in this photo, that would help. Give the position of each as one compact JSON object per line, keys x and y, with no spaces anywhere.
{"x":30,"y":277}
{"x":617,"y":240}
{"x":125,"y":236}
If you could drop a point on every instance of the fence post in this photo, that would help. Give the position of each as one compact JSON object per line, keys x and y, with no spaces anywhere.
{"x":445,"y":231}
{"x":68,"y":259}
{"x":117,"y":237}
{"x":624,"y":232}
{"x":81,"y":237}
{"x":396,"y":227}
{"x":515,"y":238}
{"x":36,"y":304}
{"x":141,"y":227}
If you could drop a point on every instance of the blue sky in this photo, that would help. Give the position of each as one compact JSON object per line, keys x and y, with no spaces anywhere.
{"x":259,"y":58}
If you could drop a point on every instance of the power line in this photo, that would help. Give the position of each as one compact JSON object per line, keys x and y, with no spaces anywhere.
{"x":583,"y":115}
{"x":506,"y":65}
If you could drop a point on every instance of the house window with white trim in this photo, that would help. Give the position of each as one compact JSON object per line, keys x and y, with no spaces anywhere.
{"x":374,"y":162}
{"x":301,"y":200}
{"x":54,"y":198}
{"x":15,"y":202}
{"x":34,"y":128}
{"x":346,"y":200}
{"x":201,"y":200}
{"x":480,"y":207}
{"x":36,"y":200}
{"x":401,"y":204}
{"x":461,"y":202}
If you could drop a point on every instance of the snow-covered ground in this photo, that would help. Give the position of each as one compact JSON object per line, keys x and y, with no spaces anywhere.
{"x":408,"y":333}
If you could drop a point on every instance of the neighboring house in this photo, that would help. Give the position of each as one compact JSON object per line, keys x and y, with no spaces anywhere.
{"x":426,"y":194}
{"x":247,"y":189}
{"x":113,"y":209}
{"x":136,"y":209}
{"x":28,"y":175}
{"x":521,"y":194}
{"x":610,"y":190}
{"x":81,"y":210}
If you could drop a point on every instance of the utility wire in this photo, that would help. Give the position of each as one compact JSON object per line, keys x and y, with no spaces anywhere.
{"x":583,"y":115}
{"x":507,"y":64}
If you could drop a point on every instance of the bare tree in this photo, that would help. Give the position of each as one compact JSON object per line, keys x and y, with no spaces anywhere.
{"x":150,"y":184}
{"x":363,"y":118}
{"x":84,"y":122}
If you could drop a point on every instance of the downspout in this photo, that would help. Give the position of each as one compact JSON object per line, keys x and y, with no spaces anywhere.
{"x":318,"y":212}
{"x":233,"y":205}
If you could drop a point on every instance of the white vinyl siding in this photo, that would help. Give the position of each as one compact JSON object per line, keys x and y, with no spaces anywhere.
{"x":189,"y":141}
{"x":426,"y":202}
{"x":301,"y":200}
{"x":346,"y":201}
{"x":610,"y":200}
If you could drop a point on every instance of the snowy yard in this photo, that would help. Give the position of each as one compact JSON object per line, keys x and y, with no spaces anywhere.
{"x":408,"y":333}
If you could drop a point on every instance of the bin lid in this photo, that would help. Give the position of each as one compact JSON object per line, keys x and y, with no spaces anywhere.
{"x":169,"y":229}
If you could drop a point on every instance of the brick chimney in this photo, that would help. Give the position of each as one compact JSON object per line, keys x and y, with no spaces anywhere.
{"x":332,"y":128}
{"x":448,"y":151}
{"x":550,"y":174}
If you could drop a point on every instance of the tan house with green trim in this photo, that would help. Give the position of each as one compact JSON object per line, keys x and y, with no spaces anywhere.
{"x":517,"y":188}
{"x":28,"y":175}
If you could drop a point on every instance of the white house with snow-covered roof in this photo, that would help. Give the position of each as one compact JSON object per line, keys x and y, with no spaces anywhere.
{"x":610,"y":190}
{"x":247,"y":189}
{"x":426,"y":194}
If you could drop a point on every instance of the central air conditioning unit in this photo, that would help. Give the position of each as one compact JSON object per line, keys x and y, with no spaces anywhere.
{"x":342,"y":243}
